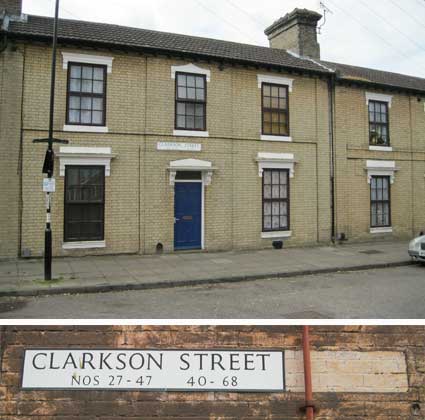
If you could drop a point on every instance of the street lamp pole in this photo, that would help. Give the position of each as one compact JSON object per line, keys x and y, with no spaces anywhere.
{"x":48,"y":166}
{"x":48,"y":229}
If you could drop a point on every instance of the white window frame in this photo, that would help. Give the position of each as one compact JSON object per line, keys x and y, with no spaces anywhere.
{"x":381,"y":168}
{"x":277,"y":80}
{"x":190,"y":68}
{"x":90,"y":156}
{"x":96,"y":156}
{"x":267,"y":160}
{"x":381,"y":97}
{"x":68,"y":57}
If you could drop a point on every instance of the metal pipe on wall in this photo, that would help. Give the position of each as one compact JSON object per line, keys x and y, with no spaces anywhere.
{"x":309,"y":406}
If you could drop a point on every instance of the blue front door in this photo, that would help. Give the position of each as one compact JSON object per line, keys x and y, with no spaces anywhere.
{"x":187,"y":215}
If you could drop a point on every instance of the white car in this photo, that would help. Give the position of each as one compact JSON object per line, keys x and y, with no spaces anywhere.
{"x":417,"y":248}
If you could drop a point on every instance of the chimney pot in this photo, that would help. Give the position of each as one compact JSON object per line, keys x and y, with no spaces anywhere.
{"x":296,"y":32}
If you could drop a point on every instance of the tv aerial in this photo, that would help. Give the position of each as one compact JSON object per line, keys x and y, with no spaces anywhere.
{"x":325,"y":10}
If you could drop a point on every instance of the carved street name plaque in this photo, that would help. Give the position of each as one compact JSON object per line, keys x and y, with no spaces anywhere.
{"x":154,"y":370}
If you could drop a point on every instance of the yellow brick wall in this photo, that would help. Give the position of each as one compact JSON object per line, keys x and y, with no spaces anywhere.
{"x":11,"y":68}
{"x":139,"y":207}
{"x":407,"y":121}
{"x":349,"y":371}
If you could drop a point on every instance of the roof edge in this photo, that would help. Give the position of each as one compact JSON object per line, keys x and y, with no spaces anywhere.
{"x":164,"y":51}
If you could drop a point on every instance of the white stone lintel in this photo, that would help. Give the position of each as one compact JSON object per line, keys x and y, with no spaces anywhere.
{"x":190,"y":68}
{"x":69,"y":57}
{"x":96,"y":156}
{"x":277,"y":80}
{"x":267,"y":160}
{"x":373,"y":96}
{"x":203,"y":166}
{"x":380,"y":168}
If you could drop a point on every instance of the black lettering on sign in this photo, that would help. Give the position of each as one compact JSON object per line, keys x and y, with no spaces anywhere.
{"x":216,"y":359}
{"x":87,"y":359}
{"x":70,"y":361}
{"x":104,"y":360}
{"x":201,"y":358}
{"x":152,"y":358}
{"x":183,"y":359}
{"x":234,"y":361}
{"x":263,"y":359}
{"x":52,"y":366}
{"x":249,"y":361}
{"x":141,"y":361}
{"x":122,"y":362}
{"x":35,"y":358}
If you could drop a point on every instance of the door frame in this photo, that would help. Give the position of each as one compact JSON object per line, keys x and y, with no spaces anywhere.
{"x":202,"y":205}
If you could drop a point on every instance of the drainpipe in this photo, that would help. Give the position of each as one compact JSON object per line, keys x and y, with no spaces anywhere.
{"x":331,"y":89}
{"x":309,"y":406}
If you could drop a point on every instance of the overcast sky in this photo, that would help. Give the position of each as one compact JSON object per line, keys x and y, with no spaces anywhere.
{"x":383,"y":34}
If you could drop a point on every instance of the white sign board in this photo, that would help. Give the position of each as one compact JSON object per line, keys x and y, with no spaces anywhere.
{"x":187,"y":147}
{"x":49,"y":185}
{"x":155,"y":370}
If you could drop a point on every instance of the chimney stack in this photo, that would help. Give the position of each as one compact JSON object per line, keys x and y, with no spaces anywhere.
{"x":12,"y":7}
{"x":296,"y":32}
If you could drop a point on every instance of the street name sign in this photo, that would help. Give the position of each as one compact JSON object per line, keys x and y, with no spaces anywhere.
{"x":154,"y":370}
{"x":187,"y":147}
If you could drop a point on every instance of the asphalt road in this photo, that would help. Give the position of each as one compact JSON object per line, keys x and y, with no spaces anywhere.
{"x":383,"y":293}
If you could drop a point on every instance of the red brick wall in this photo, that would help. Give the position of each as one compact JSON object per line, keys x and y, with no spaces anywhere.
{"x":112,"y":405}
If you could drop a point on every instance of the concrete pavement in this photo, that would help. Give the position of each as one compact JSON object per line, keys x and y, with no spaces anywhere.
{"x":135,"y":272}
{"x":389,"y":293}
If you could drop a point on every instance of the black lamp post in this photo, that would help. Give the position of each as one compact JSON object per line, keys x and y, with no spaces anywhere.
{"x":48,"y":165}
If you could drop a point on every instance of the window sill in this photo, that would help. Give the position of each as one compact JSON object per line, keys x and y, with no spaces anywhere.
{"x":276,"y":234}
{"x":381,"y":148}
{"x":84,"y":245}
{"x":190,"y":133}
{"x":275,"y":138}
{"x":85,"y":128}
{"x":381,"y":230}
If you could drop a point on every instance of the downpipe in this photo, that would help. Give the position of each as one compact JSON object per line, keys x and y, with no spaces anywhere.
{"x":309,"y":405}
{"x":331,"y":94}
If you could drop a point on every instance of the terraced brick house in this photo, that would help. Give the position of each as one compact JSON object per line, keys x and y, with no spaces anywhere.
{"x":178,"y":142}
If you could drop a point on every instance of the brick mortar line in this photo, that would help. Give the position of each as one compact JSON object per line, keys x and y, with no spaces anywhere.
{"x":103,"y":288}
